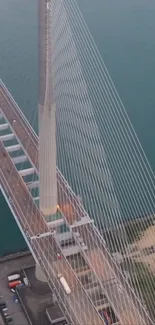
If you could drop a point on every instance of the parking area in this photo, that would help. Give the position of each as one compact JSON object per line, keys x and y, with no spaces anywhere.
{"x":14,"y":309}
{"x":35,"y":298}
{"x":33,"y":303}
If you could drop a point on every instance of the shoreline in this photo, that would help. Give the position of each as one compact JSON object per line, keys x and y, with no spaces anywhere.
{"x":103,"y":232}
{"x":14,"y":256}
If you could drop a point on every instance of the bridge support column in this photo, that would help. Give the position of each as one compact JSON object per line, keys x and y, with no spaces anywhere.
{"x":47,"y":123}
{"x":47,"y":161}
{"x":39,"y":274}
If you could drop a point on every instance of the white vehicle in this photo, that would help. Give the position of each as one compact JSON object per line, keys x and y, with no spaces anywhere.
{"x":64,"y":284}
{"x":13,"y":277}
{"x":48,"y":6}
{"x":26,"y":282}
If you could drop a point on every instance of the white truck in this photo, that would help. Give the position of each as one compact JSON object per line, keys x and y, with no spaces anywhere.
{"x":64,"y":284}
{"x":13,"y":277}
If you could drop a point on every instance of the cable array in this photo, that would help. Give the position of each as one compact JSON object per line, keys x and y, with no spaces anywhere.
{"x":95,"y":138}
{"x":99,"y":154}
{"x":81,"y":89}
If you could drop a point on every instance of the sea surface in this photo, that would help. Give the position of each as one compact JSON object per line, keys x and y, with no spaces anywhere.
{"x":124,"y":34}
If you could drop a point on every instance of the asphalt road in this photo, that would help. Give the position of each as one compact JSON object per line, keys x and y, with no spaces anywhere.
{"x":99,"y":260}
{"x":29,"y":141}
{"x":46,"y":248}
{"x":123,"y":300}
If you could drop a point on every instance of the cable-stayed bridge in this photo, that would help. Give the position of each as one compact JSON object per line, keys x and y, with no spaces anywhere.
{"x":95,"y":280}
{"x":46,"y":247}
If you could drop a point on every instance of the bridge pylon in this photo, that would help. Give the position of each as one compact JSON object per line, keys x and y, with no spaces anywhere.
{"x":47,"y":127}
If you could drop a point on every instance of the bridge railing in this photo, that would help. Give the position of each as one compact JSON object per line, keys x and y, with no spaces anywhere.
{"x":81,"y":212}
{"x":17,"y":107}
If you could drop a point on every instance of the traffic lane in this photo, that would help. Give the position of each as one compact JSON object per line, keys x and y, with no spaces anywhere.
{"x":15,"y":207}
{"x":131,"y":308}
{"x":61,"y":266}
{"x":93,"y":241}
{"x":93,"y":255}
{"x":21,"y":193}
{"x":47,"y":252}
{"x":4,"y":98}
{"x":21,"y":132}
{"x":105,"y":273}
{"x":23,"y":197}
{"x":124,"y":309}
{"x":28,"y":225}
{"x":143,"y":317}
{"x":84,"y":231}
{"x":48,"y":246}
{"x":54,"y":283}
{"x":44,"y":259}
{"x":77,"y":300}
{"x":29,"y":141}
{"x":30,"y":144}
{"x":52,"y":250}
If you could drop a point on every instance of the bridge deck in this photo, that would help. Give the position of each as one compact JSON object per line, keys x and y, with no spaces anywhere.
{"x":99,"y":260}
{"x":45,"y":248}
{"x":29,"y":141}
{"x":107,"y":272}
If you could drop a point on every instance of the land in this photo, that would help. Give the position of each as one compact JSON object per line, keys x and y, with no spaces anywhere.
{"x":6,"y":268}
{"x":33,"y":300}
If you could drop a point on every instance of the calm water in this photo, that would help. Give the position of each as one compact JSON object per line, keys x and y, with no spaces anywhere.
{"x":124,"y":33}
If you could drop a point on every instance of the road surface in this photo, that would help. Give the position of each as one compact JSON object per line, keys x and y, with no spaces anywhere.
{"x":126,"y":305}
{"x":119,"y":293}
{"x":78,"y":305}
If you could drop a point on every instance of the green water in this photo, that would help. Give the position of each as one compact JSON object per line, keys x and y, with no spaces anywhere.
{"x":124,"y":33}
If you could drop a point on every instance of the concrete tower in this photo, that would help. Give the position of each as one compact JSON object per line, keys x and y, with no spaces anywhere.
{"x":47,"y":127}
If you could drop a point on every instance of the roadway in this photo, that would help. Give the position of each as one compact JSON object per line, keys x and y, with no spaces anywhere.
{"x":97,"y":257}
{"x":46,"y":248}
{"x":29,"y":141}
{"x":21,"y":128}
{"x":114,"y":284}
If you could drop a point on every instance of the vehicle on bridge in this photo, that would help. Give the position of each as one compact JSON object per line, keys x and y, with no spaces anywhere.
{"x":64,"y":284}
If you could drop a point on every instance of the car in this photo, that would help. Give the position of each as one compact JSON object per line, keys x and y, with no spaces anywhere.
{"x":59,"y":256}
